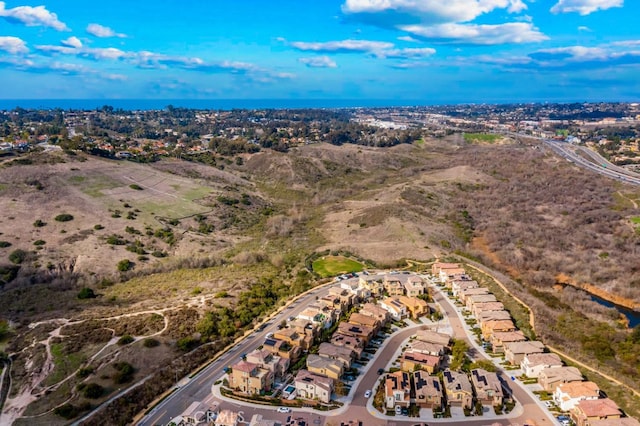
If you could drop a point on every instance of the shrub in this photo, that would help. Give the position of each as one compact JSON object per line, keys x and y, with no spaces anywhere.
{"x":124,"y":372}
{"x":116,"y":240}
{"x":136,"y":187}
{"x":93,"y":391}
{"x":124,"y":265}
{"x":18,"y":256}
{"x":150,"y":343}
{"x":125,"y":340}
{"x":66,"y":411}
{"x":39,"y":223}
{"x":86,"y":293}
{"x":4,"y":244}
{"x":8,"y":274}
{"x":39,"y":242}
{"x":83,"y":373}
{"x":65,"y":217}
{"x":159,"y":253}
{"x":98,"y":227}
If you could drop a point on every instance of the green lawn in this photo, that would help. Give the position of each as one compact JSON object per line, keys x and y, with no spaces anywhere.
{"x":480,"y":137}
{"x":635,"y":220}
{"x":329,"y":266}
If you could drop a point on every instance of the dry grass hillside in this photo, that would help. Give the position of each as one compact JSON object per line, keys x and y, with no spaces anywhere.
{"x":195,"y":238}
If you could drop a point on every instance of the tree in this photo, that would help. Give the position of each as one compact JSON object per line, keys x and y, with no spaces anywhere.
{"x":459,"y":352}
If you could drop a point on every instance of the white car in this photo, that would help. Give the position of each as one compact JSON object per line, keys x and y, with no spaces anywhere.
{"x":284,"y":410}
{"x":367,"y":394}
{"x":398,"y":410}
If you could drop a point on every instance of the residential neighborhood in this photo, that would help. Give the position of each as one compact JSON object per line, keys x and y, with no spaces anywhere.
{"x":317,"y":358}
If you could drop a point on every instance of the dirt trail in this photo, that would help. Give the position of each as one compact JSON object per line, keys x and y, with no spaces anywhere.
{"x":14,"y":407}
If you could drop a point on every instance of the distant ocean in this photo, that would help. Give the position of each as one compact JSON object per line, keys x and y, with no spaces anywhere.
{"x":213,"y":104}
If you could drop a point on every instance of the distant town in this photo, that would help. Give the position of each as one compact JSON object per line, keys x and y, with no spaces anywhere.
{"x":611,"y":129}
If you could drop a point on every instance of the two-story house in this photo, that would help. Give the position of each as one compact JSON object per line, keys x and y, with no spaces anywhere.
{"x":488,"y":387}
{"x":313,"y":387}
{"x":567,"y":395}
{"x":250,"y":379}
{"x":550,"y":378}
{"x":533,"y":364}
{"x":398,"y":389}
{"x":515,"y":352}
{"x":458,"y":389}
{"x":428,"y":390}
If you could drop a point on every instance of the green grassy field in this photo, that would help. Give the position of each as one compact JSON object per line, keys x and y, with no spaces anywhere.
{"x":635,"y":220}
{"x":480,"y":137}
{"x":329,"y":266}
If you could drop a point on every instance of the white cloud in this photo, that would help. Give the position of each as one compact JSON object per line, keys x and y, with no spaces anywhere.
{"x":578,"y":53}
{"x":72,"y":42}
{"x":342,"y":46}
{"x":407,"y":53}
{"x":86,"y":52}
{"x":318,"y":62}
{"x":512,"y":32}
{"x":584,"y":29}
{"x":449,"y":21}
{"x":584,"y":7}
{"x":432,"y":11}
{"x":13,"y":45}
{"x":102,"y":31}
{"x":408,"y":39}
{"x":37,"y":16}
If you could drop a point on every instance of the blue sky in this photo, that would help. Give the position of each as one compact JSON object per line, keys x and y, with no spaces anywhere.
{"x":436,"y":51}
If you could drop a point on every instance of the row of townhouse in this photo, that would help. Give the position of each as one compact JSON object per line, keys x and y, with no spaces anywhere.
{"x":334,"y":357}
{"x":257,"y":372}
{"x":570,"y":391}
{"x":379,"y":285}
{"x":457,"y":389}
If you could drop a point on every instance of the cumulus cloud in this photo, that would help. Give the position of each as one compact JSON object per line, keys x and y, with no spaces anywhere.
{"x":30,"y":16}
{"x":13,"y":45}
{"x":428,"y":11}
{"x":512,"y":32}
{"x":95,"y":53}
{"x":448,"y":21}
{"x":72,"y":42}
{"x":584,"y":29}
{"x":102,"y":31}
{"x":342,"y":46}
{"x":318,"y":62}
{"x":584,"y":7}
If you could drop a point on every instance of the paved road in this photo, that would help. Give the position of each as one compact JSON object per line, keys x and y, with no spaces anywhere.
{"x":596,"y":163}
{"x":199,"y":388}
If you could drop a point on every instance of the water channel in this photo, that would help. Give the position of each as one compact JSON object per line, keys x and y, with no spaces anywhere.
{"x":630,"y":314}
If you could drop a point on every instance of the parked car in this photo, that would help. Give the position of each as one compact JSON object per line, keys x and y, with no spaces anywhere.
{"x":367,"y":393}
{"x":284,"y":410}
{"x":398,"y":410}
{"x":404,"y":411}
{"x":380,"y":370}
